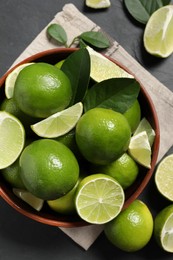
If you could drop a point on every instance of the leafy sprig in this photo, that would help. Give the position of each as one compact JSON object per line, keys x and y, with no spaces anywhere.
{"x":141,"y":10}
{"x":117,"y":94}
{"x":95,"y":39}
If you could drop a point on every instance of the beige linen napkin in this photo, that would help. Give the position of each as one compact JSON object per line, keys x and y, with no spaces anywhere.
{"x":74,"y":23}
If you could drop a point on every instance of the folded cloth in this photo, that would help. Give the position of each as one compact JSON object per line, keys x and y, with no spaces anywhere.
{"x":74,"y":23}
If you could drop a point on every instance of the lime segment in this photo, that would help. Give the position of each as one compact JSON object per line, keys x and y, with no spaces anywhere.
{"x":163,"y":228}
{"x":144,"y":125}
{"x":98,"y":3}
{"x":99,"y":198}
{"x":12,"y":139}
{"x":102,"y":68}
{"x":29,"y":198}
{"x":59,"y":123}
{"x":158,"y":33}
{"x":140,"y":149}
{"x":11,"y":79}
{"x":164,"y":177}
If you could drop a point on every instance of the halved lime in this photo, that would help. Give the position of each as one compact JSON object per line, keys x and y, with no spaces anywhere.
{"x":158,"y":32}
{"x":164,"y":177}
{"x":29,"y":198}
{"x":163,"y":224}
{"x":102,"y":68}
{"x":12,"y":139}
{"x":144,"y":125}
{"x":98,"y":3}
{"x":11,"y":79}
{"x":99,"y":198}
{"x":140,"y":149}
{"x":59,"y":123}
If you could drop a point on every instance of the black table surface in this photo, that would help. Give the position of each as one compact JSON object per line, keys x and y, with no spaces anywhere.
{"x":20,"y":22}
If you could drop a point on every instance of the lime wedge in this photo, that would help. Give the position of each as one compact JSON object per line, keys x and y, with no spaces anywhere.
{"x":11,"y":79}
{"x":140,"y":149}
{"x":29,"y":198}
{"x":12,"y":139}
{"x":163,"y":224}
{"x":59,"y":123}
{"x":99,"y":198}
{"x":96,"y":4}
{"x":144,"y":125}
{"x":102,"y":68}
{"x":158,"y":32}
{"x":164,"y":177}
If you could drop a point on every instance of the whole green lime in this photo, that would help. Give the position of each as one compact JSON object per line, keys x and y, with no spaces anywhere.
{"x":48,"y":169}
{"x":102,"y":135}
{"x":12,"y":176}
{"x":65,"y":204}
{"x":125,"y":170}
{"x":59,"y":64}
{"x":132,"y":229}
{"x":42,"y":89}
{"x":133,"y":115}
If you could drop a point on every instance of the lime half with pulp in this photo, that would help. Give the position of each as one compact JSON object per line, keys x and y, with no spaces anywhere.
{"x":12,"y":139}
{"x":99,"y":198}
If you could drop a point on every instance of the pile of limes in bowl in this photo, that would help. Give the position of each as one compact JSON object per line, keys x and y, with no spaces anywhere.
{"x":77,"y":157}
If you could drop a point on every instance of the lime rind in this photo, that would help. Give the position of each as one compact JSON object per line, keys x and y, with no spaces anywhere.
{"x":99,"y":199}
{"x":102,"y":68}
{"x":11,"y":79}
{"x":140,"y":149}
{"x":29,"y":198}
{"x":164,"y":177}
{"x":59,"y":123}
{"x":12,"y":139}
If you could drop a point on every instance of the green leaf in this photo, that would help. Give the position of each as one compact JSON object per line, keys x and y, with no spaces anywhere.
{"x":58,"y":33}
{"x":116,"y":93}
{"x":77,"y":67}
{"x":96,"y":39}
{"x":141,"y":10}
{"x":82,"y":44}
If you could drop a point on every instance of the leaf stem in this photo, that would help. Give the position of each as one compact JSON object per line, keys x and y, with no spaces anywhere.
{"x":73,"y":41}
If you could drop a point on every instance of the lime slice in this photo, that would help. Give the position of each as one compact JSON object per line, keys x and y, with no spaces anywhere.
{"x":163,"y":224}
{"x":144,"y":125}
{"x":99,"y":198}
{"x":11,"y":79}
{"x":98,"y":3}
{"x":29,"y":198}
{"x":12,"y":139}
{"x":59,"y":123}
{"x":102,"y":68}
{"x":164,"y":177}
{"x":140,"y":149}
{"x":158,"y":32}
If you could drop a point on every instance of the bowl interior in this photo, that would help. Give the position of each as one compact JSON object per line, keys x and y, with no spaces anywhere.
{"x":46,"y":215}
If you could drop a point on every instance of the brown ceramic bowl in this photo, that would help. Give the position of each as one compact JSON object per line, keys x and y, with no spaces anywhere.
{"x":47,"y":216}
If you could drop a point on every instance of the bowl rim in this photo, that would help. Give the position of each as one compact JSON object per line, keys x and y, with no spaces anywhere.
{"x":140,"y":188}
